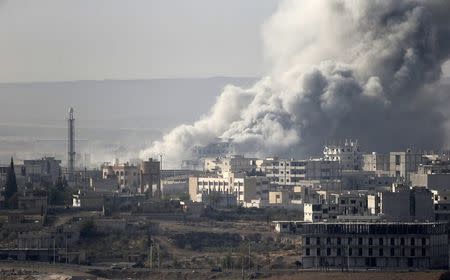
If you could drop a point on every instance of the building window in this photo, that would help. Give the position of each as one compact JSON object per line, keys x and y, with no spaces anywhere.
{"x":307,"y":252}
{"x":392,"y":252}
{"x":318,"y":251}
{"x":360,"y":252}
{"x":370,"y":241}
{"x":402,"y":241}
{"x":392,"y":241}
{"x":318,"y":241}
{"x":397,"y":159}
{"x":307,"y":241}
{"x":328,"y":252}
{"x":403,"y":252}
{"x":380,"y":252}
{"x":360,"y":241}
{"x":413,"y":252}
{"x":424,"y":252}
{"x":424,"y":241}
{"x":339,"y":251}
{"x":370,"y":252}
{"x":349,"y":241}
{"x":328,"y":240}
{"x":350,"y":252}
{"x":338,"y":241}
{"x":380,"y":241}
{"x":413,"y":242}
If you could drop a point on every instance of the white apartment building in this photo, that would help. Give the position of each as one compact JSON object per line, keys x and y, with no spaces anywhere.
{"x":244,"y":188}
{"x":349,"y":155}
{"x":292,"y":172}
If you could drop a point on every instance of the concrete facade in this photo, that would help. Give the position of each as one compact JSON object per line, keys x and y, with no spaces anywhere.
{"x":349,"y":155}
{"x":402,"y":164}
{"x":370,"y":244}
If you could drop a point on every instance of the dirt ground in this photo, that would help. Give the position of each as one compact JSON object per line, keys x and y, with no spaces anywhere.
{"x":433,"y":275}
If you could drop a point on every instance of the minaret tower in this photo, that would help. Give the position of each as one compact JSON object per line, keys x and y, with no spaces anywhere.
{"x":71,"y":146}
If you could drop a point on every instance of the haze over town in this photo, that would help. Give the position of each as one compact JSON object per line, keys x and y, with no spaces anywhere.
{"x":275,"y":139}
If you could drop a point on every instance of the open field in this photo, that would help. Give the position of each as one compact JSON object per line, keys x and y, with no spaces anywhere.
{"x":41,"y":271}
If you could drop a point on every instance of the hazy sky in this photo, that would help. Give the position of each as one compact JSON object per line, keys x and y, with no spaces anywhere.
{"x":50,"y":40}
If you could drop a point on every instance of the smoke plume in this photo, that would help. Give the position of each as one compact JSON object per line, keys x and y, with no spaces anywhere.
{"x":339,"y":69}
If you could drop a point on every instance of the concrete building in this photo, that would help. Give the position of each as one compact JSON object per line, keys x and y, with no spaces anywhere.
{"x":233,"y":164}
{"x":365,"y":180}
{"x":47,"y":168}
{"x":370,"y":244}
{"x":137,"y":178}
{"x":408,"y":205}
{"x":441,"y":205}
{"x":218,"y":148}
{"x":244,"y":188}
{"x":434,"y":176}
{"x":150,"y":177}
{"x":279,"y":198}
{"x":376,"y":162}
{"x":402,"y":164}
{"x":127,"y":174}
{"x":88,"y":200}
{"x":291,"y":172}
{"x":349,"y":155}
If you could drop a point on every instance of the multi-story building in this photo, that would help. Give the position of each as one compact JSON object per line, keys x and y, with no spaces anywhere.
{"x":370,"y":244}
{"x":244,"y":188}
{"x":434,"y":176}
{"x":349,"y":155}
{"x":150,"y":176}
{"x":441,"y":205}
{"x":233,"y":164}
{"x":330,"y":206}
{"x":127,"y":174}
{"x":376,"y":162}
{"x":292,"y":172}
{"x":402,"y":164}
{"x":47,"y":168}
{"x":138,"y":178}
{"x":408,"y":205}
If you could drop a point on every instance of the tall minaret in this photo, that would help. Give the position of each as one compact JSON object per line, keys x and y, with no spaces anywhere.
{"x":71,"y":147}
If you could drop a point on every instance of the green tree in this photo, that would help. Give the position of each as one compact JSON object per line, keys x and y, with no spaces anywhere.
{"x":11,"y":187}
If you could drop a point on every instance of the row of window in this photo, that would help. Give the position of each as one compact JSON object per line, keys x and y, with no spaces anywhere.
{"x":370,"y":252}
{"x":370,"y":241}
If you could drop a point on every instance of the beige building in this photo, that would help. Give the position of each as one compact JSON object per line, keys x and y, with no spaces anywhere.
{"x":138,"y":178}
{"x":279,"y":198}
{"x":244,"y":188}
{"x":230,"y":164}
{"x":127,"y":174}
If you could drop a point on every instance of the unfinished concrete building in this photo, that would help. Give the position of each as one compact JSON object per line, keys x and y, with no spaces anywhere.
{"x":370,"y":244}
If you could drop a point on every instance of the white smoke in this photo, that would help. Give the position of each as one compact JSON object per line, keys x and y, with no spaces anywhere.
{"x":339,"y":68}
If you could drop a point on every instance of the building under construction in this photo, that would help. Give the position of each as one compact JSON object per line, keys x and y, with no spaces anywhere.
{"x":370,"y":244}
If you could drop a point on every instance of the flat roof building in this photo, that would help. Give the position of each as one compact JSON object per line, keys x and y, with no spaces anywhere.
{"x":370,"y":244}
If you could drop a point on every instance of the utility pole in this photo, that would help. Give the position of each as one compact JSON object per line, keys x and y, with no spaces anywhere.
{"x":159,"y":260}
{"x":54,"y":251}
{"x":151,"y":256}
{"x":249,"y":258}
{"x":348,"y":257}
{"x":67,"y":253}
{"x":242,"y":267}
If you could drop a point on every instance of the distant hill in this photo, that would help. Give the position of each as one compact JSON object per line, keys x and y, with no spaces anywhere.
{"x":114,"y":115}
